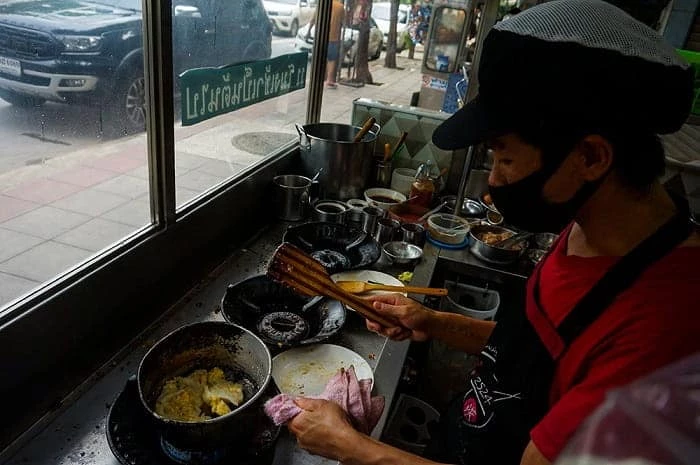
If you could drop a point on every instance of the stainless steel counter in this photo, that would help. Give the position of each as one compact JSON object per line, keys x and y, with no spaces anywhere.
{"x":75,"y":432}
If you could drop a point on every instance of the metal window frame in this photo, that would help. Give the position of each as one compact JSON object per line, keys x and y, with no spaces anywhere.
{"x":53,"y":340}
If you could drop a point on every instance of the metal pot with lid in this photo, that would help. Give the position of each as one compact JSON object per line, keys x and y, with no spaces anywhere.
{"x":346,"y":164}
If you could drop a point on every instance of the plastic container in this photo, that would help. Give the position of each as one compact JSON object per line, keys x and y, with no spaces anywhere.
{"x":423,"y":188}
{"x":401,"y":180}
{"x":472,"y":301}
{"x":448,"y":229}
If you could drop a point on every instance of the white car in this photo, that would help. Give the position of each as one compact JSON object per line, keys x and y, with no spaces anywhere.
{"x":381,"y":15}
{"x":376,"y":42}
{"x":287,"y":16}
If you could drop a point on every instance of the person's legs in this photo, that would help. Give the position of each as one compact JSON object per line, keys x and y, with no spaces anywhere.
{"x":332,"y":64}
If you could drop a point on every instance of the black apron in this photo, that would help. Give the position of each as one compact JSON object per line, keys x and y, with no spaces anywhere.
{"x":508,"y":391}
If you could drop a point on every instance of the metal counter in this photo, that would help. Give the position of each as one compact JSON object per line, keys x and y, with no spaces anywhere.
{"x":75,"y":432}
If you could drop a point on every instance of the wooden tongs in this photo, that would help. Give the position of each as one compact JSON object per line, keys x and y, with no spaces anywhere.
{"x":294,"y":268}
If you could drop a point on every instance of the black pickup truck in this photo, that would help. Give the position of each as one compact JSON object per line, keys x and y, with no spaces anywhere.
{"x":90,"y":52}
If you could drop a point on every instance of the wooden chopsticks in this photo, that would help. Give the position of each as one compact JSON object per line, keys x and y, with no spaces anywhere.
{"x":291,"y":266}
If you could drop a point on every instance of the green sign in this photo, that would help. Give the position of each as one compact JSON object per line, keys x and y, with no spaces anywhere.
{"x":208,"y":92}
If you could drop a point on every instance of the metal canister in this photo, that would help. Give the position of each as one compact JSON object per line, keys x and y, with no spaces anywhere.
{"x":347,"y":165}
{"x":292,"y":196}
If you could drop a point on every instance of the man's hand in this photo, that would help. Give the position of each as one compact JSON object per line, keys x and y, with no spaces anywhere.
{"x":412,"y":317}
{"x":323,"y":428}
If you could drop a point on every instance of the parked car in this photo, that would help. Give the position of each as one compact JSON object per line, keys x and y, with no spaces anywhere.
{"x":350,"y":35}
{"x":91,"y":51}
{"x":287,"y":16}
{"x":381,"y":13}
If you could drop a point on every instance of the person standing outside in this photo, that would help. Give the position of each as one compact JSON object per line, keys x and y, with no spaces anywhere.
{"x":333,"y":54}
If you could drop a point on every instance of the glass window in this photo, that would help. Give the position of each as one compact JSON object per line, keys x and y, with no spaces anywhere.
{"x":73,"y":170}
{"x":214,"y":33}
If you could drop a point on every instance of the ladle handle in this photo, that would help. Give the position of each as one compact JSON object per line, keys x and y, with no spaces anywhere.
{"x":365,"y":129}
{"x":303,"y":137}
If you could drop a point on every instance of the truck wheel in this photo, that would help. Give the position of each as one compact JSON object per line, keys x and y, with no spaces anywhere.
{"x":126,"y":111}
{"x":294,"y":28}
{"x":20,"y":100}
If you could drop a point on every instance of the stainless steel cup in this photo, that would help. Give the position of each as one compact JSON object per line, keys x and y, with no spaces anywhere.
{"x":386,"y":230}
{"x":292,"y":196}
{"x":370,"y":215}
{"x":330,"y":211}
{"x":413,"y":233}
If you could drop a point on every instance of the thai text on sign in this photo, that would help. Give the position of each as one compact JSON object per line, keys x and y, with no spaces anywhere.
{"x":208,"y":92}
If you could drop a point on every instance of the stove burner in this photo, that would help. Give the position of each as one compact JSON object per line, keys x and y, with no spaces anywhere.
{"x":192,"y":456}
{"x":134,"y":441}
{"x":283,"y":327}
{"x":332,"y":260}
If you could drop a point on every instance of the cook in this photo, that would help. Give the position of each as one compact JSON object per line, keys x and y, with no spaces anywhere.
{"x":576,"y":151}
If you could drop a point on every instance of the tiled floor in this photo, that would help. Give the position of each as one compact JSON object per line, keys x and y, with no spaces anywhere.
{"x":57,"y":214}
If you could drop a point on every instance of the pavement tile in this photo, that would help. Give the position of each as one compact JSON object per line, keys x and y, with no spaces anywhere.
{"x":141,"y":172}
{"x":12,"y":287}
{"x":186,"y":161}
{"x":14,"y":243}
{"x":117,"y":163}
{"x":42,"y":190}
{"x":95,"y":235}
{"x":11,"y":207}
{"x":45,"y":261}
{"x":45,"y":222}
{"x":198,"y":180}
{"x":135,"y":213}
{"x":124,"y":185}
{"x":183,"y":195}
{"x":222,"y":168}
{"x":83,"y":176}
{"x":91,"y":202}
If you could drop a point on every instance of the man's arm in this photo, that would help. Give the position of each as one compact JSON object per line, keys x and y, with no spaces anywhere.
{"x":533,"y":456}
{"x":419,"y":323}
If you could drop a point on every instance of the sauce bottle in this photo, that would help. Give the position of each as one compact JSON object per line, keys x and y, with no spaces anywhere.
{"x":422,"y":188}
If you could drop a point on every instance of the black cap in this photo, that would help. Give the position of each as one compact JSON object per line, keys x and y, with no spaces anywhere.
{"x":581,"y":64}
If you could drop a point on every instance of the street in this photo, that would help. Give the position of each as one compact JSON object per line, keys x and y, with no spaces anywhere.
{"x":61,"y":128}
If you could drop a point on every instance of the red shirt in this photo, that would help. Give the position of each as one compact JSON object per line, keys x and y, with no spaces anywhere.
{"x":651,"y":324}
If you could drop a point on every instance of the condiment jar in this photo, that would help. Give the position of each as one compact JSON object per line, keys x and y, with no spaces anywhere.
{"x":423,"y":188}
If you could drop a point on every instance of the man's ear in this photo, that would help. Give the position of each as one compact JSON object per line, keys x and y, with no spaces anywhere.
{"x":596,"y":156}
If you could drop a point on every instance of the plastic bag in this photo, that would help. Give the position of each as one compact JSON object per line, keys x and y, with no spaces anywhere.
{"x":655,"y":420}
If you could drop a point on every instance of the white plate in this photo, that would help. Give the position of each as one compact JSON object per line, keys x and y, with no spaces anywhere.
{"x":368,"y":276}
{"x":305,"y":371}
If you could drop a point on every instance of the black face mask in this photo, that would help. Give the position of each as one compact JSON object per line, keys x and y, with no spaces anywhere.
{"x":522,"y":205}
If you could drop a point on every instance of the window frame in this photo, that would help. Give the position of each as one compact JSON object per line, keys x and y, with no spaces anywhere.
{"x":60,"y":335}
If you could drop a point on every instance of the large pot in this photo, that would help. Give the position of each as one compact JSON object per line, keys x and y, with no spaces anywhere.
{"x":346,"y":165}
{"x":243,"y":357}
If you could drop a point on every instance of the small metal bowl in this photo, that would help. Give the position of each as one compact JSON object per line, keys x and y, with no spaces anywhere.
{"x":544,"y":241}
{"x":403,"y":253}
{"x":470,"y":208}
{"x":535,"y":255}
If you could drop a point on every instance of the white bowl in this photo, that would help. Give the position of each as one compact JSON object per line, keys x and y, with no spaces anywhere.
{"x":383,"y":198}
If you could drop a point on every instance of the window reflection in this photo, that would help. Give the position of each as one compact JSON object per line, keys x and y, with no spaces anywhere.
{"x":71,"y":184}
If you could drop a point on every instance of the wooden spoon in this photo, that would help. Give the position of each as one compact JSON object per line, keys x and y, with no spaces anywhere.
{"x":365,"y":129}
{"x":358,"y":287}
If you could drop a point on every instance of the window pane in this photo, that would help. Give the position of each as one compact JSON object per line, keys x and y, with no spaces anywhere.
{"x":71,"y":182}
{"x":211,"y":33}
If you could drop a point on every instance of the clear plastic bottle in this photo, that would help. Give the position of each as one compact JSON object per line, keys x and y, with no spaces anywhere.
{"x":423,"y":188}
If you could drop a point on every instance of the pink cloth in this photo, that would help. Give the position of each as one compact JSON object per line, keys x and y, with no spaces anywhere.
{"x":344,"y":389}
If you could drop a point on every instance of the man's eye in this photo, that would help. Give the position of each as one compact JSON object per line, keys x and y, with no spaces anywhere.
{"x":504,"y":161}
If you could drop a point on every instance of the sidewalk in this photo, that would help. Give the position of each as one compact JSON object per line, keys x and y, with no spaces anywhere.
{"x":56,"y":214}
